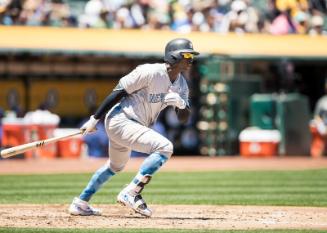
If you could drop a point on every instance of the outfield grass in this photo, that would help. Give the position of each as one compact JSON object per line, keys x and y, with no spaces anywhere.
{"x":35,"y":230}
{"x":291,"y":188}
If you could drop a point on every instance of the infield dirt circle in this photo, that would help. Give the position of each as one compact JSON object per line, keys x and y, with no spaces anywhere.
{"x":166,"y":216}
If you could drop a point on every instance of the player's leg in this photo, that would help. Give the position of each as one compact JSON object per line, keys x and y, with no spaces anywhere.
{"x":80,"y":205}
{"x":129,"y":133}
{"x":160,"y":150}
{"x":131,"y":194}
{"x":118,"y":158}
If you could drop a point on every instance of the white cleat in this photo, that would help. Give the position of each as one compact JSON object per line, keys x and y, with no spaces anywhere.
{"x":134,"y":201}
{"x":83,"y":208}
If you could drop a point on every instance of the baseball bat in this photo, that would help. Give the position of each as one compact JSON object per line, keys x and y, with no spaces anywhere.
{"x":9,"y":152}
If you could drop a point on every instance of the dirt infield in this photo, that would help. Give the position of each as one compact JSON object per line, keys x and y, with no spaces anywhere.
{"x":166,"y":216}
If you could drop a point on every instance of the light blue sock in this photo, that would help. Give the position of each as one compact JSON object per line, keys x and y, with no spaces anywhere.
{"x":150,"y":165}
{"x":97,"y":180}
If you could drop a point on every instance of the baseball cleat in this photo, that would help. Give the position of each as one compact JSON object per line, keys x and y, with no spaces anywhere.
{"x":80,"y":207}
{"x":134,"y":201}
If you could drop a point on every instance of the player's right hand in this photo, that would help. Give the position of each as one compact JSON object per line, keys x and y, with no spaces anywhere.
{"x":174,"y":99}
{"x":89,"y":126}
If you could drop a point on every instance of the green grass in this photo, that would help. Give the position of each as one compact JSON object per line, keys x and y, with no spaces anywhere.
{"x":292,"y":188}
{"x":35,"y":230}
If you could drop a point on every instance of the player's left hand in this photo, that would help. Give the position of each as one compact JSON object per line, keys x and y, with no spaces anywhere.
{"x":174,"y":99}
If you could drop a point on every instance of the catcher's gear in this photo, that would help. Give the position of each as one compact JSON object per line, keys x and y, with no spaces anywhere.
{"x":176,"y":48}
{"x":174,"y":99}
{"x":89,"y":126}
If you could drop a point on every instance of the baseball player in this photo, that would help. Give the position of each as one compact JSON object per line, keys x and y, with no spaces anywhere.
{"x":131,"y":109}
{"x":318,"y":127}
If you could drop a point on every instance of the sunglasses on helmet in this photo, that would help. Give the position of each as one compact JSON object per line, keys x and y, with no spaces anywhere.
{"x":188,"y":55}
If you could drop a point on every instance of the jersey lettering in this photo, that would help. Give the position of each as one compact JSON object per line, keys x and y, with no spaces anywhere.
{"x":156,"y":98}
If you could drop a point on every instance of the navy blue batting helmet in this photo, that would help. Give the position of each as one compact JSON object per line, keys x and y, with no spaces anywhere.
{"x":176,"y":47}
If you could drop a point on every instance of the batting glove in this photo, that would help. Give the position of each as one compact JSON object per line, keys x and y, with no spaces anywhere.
{"x":89,"y":126}
{"x":174,"y":99}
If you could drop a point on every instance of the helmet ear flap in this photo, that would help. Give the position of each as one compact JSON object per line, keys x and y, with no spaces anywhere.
{"x":176,"y":56}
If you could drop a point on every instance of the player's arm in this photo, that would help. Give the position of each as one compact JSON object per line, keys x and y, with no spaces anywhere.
{"x":113,"y":98}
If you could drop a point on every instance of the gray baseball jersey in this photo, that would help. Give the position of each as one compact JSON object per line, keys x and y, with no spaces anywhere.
{"x":147,"y":86}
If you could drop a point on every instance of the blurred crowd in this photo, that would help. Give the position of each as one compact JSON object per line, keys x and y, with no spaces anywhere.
{"x":277,"y":17}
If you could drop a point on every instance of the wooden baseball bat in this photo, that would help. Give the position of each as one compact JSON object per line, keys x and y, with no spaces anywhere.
{"x":9,"y":152}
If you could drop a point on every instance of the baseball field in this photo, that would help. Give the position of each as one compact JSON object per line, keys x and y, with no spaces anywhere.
{"x":190,"y":194}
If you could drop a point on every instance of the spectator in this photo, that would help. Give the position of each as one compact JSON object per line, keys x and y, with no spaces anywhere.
{"x":316,"y":28}
{"x":10,"y":12}
{"x":252,"y":24}
{"x":156,"y":20}
{"x":283,"y":24}
{"x":271,"y":11}
{"x":180,"y":21}
{"x":242,"y":18}
{"x":138,"y":11}
{"x":294,"y":6}
{"x":92,"y":12}
{"x":302,"y":22}
{"x":123,"y":18}
{"x":281,"y":17}
{"x":104,"y":20}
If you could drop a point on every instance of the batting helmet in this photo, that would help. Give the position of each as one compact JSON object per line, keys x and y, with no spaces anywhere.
{"x":175,"y":48}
